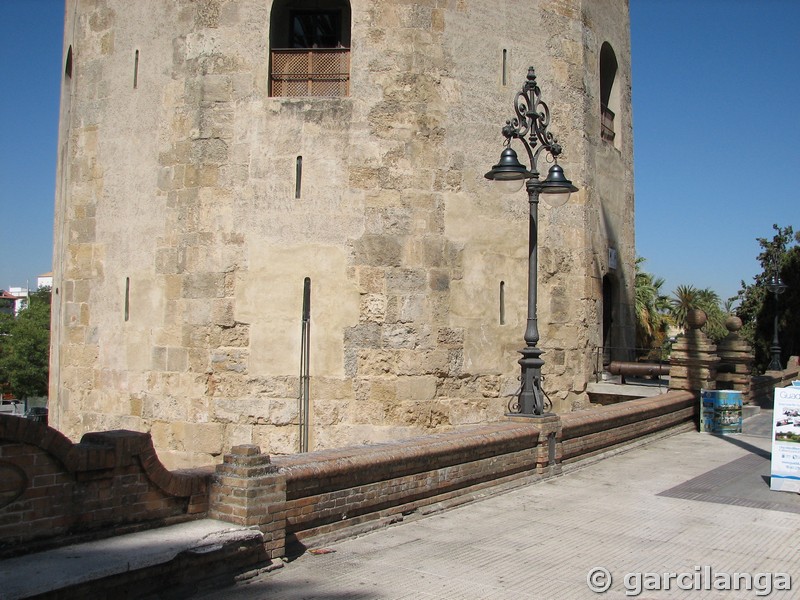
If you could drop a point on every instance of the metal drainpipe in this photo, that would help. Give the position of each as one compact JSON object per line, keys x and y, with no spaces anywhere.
{"x":305,"y":339}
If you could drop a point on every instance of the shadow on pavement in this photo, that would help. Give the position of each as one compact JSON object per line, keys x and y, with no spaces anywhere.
{"x":746,"y":446}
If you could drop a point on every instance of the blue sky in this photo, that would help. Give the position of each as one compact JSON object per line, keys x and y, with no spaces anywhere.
{"x":31,"y":35}
{"x":716,"y":132}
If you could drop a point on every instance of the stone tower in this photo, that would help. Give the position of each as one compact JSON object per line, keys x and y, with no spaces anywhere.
{"x":213,"y":154}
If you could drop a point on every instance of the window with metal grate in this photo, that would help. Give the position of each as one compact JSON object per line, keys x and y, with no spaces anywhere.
{"x":309,"y":48}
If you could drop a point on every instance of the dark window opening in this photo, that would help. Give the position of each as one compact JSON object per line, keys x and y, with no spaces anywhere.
{"x":298,"y":176}
{"x":502,"y":303}
{"x":316,"y":29}
{"x":127,"y":309}
{"x":68,"y":67}
{"x":309,"y":43}
{"x":609,"y":100}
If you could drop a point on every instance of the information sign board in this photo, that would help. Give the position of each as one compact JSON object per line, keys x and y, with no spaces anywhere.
{"x":785,"y":468}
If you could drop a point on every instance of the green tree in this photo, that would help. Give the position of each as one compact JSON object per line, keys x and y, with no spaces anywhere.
{"x":652,"y":309}
{"x":6,"y":325}
{"x":710,"y":302}
{"x":688,"y":297}
{"x":25,"y":347}
{"x":684,"y":299}
{"x":758,"y":307}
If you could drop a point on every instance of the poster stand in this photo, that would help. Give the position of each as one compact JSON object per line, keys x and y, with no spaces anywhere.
{"x":785,"y":464}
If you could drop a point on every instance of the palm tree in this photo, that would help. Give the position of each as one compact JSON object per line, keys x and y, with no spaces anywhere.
{"x":650,"y":305}
{"x":727,"y":306}
{"x":710,"y":302}
{"x":688,"y":297}
{"x":684,"y":299}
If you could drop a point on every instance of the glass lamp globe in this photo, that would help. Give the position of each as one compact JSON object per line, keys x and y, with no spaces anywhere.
{"x":556,"y":189}
{"x":508,"y":186}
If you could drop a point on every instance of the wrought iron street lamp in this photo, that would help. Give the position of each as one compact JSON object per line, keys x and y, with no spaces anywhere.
{"x":777,"y":287}
{"x":530,"y":126}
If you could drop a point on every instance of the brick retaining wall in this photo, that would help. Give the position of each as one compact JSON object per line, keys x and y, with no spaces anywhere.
{"x":54,"y":491}
{"x":333,"y":493}
{"x":113,"y":481}
{"x":589,"y":432}
{"x":326,"y":492}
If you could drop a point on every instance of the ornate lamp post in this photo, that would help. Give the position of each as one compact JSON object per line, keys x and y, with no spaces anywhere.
{"x":530,"y":127}
{"x":777,"y":287}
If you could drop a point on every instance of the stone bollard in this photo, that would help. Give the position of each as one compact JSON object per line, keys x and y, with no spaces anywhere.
{"x":693,"y":363}
{"x":248,"y":490}
{"x":735,"y":361}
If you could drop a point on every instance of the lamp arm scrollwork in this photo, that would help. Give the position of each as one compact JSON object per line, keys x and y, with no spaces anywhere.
{"x":530,"y":125}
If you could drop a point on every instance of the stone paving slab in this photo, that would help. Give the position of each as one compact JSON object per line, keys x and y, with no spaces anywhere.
{"x":625,"y":514}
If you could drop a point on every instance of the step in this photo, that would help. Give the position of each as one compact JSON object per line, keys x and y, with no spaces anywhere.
{"x":178,"y":557}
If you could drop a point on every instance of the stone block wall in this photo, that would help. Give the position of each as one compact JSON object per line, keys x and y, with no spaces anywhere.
{"x":736,"y":361}
{"x":694,"y":358}
{"x":179,"y":268}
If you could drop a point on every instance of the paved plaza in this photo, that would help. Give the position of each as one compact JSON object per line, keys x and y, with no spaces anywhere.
{"x":688,"y":511}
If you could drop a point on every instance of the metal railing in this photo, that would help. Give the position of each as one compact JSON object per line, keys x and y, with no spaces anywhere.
{"x":605,"y":356}
{"x":310,"y":72}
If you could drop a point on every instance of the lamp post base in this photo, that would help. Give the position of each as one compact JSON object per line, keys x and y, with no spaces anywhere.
{"x":529,"y":418}
{"x":775,"y":363}
{"x":531,"y":396}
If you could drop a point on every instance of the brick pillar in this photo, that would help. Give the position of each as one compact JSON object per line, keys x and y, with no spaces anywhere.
{"x":694,"y":360}
{"x":735,"y":361}
{"x":248,"y":490}
{"x":548,"y":451}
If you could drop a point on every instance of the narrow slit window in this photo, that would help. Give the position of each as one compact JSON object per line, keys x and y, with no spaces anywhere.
{"x":135,"y":69}
{"x":505,"y":66}
{"x":68,"y":66}
{"x":298,"y":176}
{"x":127,"y":297}
{"x":502,"y":303}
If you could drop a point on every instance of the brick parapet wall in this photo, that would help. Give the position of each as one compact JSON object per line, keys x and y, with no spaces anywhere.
{"x":113,"y":480}
{"x":324,"y":471}
{"x":329,"y":491}
{"x":54,"y":491}
{"x":332,"y":493}
{"x":588,"y":432}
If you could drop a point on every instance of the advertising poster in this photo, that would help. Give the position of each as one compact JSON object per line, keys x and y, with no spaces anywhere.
{"x":720,"y":411}
{"x":706,"y":411}
{"x":785,"y":469}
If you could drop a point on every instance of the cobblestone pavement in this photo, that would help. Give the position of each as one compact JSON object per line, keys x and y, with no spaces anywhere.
{"x":694,"y":505}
